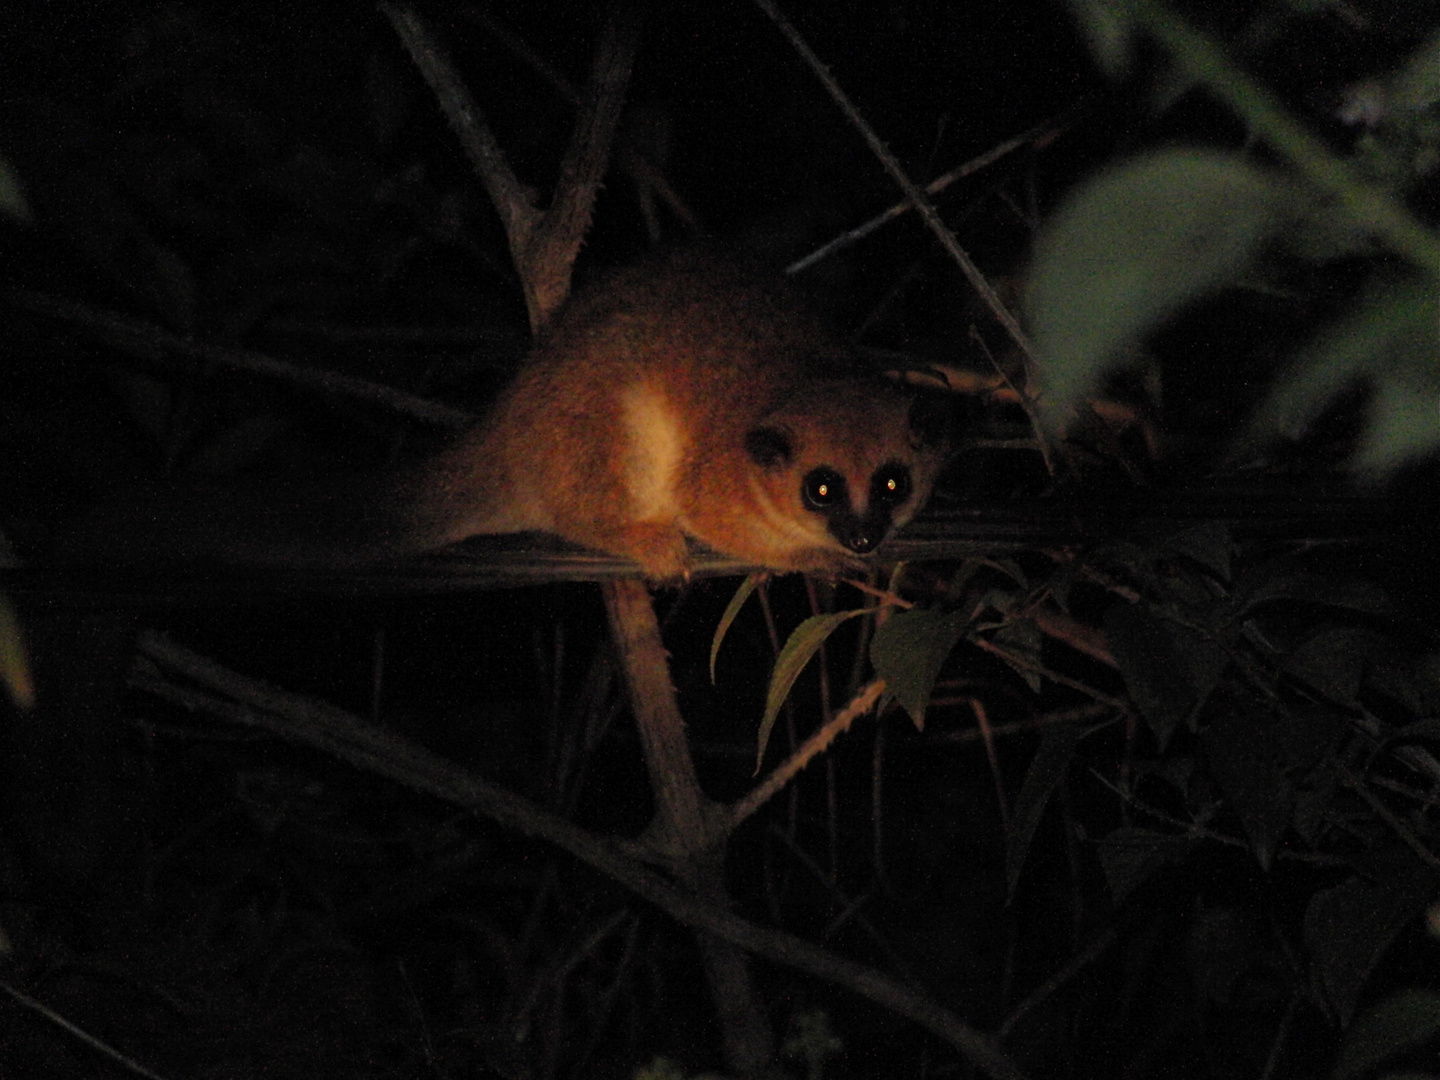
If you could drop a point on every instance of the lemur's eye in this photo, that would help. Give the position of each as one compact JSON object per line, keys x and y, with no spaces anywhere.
{"x":823,"y":488}
{"x":891,"y":484}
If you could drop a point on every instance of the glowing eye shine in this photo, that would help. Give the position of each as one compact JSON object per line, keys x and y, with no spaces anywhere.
{"x":891,"y":485}
{"x":823,"y":489}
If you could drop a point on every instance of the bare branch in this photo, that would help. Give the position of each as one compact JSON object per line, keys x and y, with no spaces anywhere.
{"x":313,"y":723}
{"x":545,"y":258}
{"x":513,"y":200}
{"x":913,"y":194}
{"x":149,"y":342}
{"x":1038,"y":133}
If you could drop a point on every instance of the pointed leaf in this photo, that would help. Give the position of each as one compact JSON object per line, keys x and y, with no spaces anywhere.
{"x":796,"y":653}
{"x":909,"y":650}
{"x":1047,"y":769}
{"x":12,"y":194}
{"x":1021,"y":640}
{"x":14,"y":665}
{"x":1255,"y":785}
{"x":732,"y":609}
{"x":1169,"y":669}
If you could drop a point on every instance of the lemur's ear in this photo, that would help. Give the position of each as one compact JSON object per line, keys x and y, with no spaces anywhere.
{"x":769,"y":447}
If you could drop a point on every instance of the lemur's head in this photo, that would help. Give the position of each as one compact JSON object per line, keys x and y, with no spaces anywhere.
{"x":841,"y":465}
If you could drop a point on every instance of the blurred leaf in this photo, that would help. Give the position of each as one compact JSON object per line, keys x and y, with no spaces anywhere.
{"x":1404,"y":424}
{"x":1416,"y":85}
{"x":811,"y":1040}
{"x":1403,"y":1021}
{"x":14,"y":664}
{"x":796,"y":653}
{"x":1134,"y":245}
{"x":12,"y":194}
{"x":732,"y":609}
{"x":1348,"y":927}
{"x":1109,"y":31}
{"x":1168,"y":669}
{"x":909,"y":650}
{"x":1047,"y":768}
{"x":1391,"y":341}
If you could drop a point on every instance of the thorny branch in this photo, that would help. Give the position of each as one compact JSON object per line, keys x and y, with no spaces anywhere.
{"x":218,"y":691}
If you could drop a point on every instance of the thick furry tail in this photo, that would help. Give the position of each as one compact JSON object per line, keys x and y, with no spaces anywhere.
{"x":330,"y":522}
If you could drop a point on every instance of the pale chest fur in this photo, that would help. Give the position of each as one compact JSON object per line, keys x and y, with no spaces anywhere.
{"x":654,"y":444}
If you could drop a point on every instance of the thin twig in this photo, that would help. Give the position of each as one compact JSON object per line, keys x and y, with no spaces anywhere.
{"x":934,"y":187}
{"x":546,"y":259}
{"x":1407,"y":836}
{"x":84,"y":1036}
{"x":1054,"y":676}
{"x":150,"y":342}
{"x":513,"y":200}
{"x":1081,"y":960}
{"x":923,"y":206}
{"x":323,"y":727}
{"x":806,"y":752}
{"x":630,"y":156}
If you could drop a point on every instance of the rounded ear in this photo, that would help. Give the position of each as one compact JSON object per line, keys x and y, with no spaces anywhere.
{"x":931,"y":421}
{"x":769,"y":447}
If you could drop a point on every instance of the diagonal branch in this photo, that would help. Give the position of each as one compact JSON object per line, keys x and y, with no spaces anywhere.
{"x":513,"y":200}
{"x":545,"y":258}
{"x":218,"y":691}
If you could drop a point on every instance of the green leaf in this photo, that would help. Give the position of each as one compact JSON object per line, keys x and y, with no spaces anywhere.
{"x":732,"y":609}
{"x":1348,"y":927}
{"x":909,"y":650}
{"x":1391,"y":340}
{"x":1047,"y":768}
{"x":1415,"y":86}
{"x":14,"y":665}
{"x":1403,"y":424}
{"x":1169,"y":669}
{"x":1403,"y":1021}
{"x":1109,"y":31}
{"x":1133,"y":246}
{"x":796,"y":653}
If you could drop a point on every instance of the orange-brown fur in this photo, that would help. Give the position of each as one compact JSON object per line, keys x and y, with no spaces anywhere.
{"x":626,"y":428}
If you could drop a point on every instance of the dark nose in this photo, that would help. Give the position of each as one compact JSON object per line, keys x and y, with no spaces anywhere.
{"x":861,"y":542}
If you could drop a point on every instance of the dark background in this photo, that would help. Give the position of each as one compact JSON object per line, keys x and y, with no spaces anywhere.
{"x":278,"y":177}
